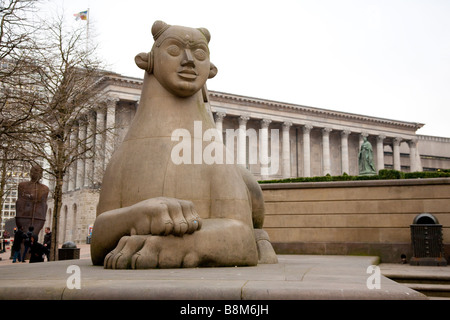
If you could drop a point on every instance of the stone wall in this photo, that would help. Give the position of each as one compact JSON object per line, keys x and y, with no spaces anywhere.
{"x":78,"y":212}
{"x":435,"y":152}
{"x":354,"y":217}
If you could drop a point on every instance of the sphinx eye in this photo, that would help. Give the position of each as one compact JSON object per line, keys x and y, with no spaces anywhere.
{"x":174,"y":50}
{"x":200,"y":54}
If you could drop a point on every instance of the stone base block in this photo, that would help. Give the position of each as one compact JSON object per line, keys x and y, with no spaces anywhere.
{"x":428,"y":261}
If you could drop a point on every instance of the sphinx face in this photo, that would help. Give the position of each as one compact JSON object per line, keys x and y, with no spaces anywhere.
{"x":181,"y":61}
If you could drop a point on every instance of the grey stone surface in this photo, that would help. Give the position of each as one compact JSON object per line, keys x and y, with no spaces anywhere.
{"x":203,"y":213}
{"x":295,"y":277}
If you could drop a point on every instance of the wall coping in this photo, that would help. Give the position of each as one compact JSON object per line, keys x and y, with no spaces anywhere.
{"x":355,"y":184}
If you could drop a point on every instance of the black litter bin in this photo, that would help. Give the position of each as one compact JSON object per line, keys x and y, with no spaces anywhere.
{"x":427,"y":241}
{"x":68,"y":251}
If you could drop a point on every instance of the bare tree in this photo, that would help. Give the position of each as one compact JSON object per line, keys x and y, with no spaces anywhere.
{"x":7,"y":163}
{"x":70,"y":79}
{"x":50,"y":80}
{"x":16,"y":44}
{"x":17,"y":88}
{"x":15,"y":28}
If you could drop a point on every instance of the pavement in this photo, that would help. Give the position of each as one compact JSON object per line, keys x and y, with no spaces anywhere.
{"x":295,"y":277}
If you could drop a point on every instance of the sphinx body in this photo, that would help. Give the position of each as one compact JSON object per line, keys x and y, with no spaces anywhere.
{"x":156,"y":213}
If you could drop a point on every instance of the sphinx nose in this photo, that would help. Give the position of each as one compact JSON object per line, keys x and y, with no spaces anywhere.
{"x":188,"y":58}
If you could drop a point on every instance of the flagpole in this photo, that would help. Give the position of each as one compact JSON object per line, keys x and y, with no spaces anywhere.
{"x":87,"y":31}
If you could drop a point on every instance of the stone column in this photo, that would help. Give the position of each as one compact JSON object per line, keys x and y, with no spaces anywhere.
{"x":65,"y":186}
{"x":414,"y":156}
{"x":110,"y":129}
{"x":380,"y":152}
{"x":418,"y":158}
{"x":219,"y":123}
{"x":307,"y":150}
{"x":72,"y":168}
{"x":326,"y":150}
{"x":242,"y":140}
{"x":99,"y":157}
{"x":89,"y":159}
{"x":81,"y":149}
{"x":396,"y":153}
{"x":286,"y":151}
{"x":344,"y":151}
{"x":264,"y":145}
{"x":136,"y":106}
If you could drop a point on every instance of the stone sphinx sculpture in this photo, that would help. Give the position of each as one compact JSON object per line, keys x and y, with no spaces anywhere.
{"x":154,"y":213}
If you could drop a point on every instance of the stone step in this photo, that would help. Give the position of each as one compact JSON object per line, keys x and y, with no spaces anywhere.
{"x":432,"y":281}
{"x":439,"y":298}
{"x":432,"y":290}
{"x":421,"y":280}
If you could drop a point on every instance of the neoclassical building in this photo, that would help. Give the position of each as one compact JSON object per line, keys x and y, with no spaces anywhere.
{"x":273,"y":139}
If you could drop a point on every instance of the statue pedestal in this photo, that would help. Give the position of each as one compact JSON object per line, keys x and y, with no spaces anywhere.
{"x":295,"y":277}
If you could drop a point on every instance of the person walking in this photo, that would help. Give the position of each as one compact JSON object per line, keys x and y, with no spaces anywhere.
{"x":19,"y":236}
{"x":27,"y":242}
{"x":4,"y":241}
{"x":48,"y":242}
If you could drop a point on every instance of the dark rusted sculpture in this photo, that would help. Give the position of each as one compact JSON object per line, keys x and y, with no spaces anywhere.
{"x":31,"y":204}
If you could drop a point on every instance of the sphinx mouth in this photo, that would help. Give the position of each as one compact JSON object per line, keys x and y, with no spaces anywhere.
{"x":188,"y":74}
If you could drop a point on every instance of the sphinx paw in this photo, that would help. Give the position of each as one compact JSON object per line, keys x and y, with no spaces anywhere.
{"x":121,"y":256}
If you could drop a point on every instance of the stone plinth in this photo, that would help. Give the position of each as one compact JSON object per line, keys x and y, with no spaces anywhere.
{"x":295,"y":277}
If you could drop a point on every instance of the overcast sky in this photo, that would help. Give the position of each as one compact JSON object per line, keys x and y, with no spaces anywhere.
{"x":388,"y":59}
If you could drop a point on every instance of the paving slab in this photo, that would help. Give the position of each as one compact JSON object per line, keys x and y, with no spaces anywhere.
{"x":295,"y":277}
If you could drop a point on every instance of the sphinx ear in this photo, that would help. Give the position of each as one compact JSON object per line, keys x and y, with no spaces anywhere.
{"x":158,"y":28}
{"x":212,"y":71}
{"x":206,"y":33}
{"x":144,"y":61}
